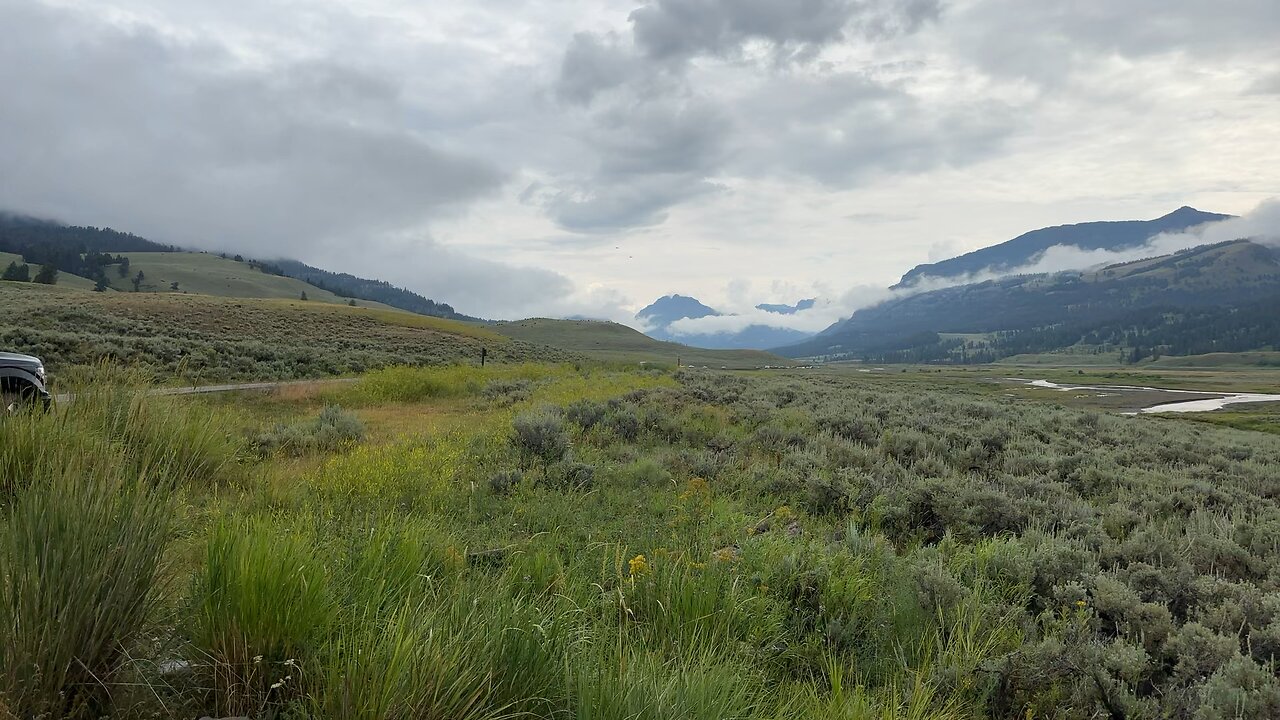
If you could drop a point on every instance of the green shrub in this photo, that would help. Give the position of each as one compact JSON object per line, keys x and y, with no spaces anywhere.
{"x":335,"y":429}
{"x":1199,"y":652}
{"x":507,"y":392}
{"x":505,"y":481}
{"x":827,"y":495}
{"x":570,"y":475}
{"x":853,"y":427}
{"x":623,"y":423}
{"x":1240,"y":690}
{"x":585,"y":413}
{"x":540,"y":434}
{"x":645,"y":472}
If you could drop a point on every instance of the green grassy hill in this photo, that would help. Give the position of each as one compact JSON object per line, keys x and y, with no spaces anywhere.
{"x":64,"y":279}
{"x":208,"y":274}
{"x":611,"y":341}
{"x":206,"y":338}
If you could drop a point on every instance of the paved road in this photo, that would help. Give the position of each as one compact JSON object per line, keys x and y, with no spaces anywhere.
{"x":231,"y":387}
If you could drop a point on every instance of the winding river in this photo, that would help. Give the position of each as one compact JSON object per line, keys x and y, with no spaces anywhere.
{"x":1200,"y":404}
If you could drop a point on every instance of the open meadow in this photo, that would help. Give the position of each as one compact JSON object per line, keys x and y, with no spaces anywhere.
{"x":559,"y":541}
{"x":205,"y":338}
{"x":200,"y":339}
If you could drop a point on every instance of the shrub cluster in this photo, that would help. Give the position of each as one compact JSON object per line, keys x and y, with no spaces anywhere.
{"x":334,"y":429}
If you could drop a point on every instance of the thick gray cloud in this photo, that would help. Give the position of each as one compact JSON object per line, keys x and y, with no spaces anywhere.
{"x":651,"y":153}
{"x":664,"y":134}
{"x":594,"y":63}
{"x":182,"y":141}
{"x":845,"y":129}
{"x":1267,"y":85}
{"x":551,"y":156}
{"x":1049,"y":42}
{"x":681,"y":29}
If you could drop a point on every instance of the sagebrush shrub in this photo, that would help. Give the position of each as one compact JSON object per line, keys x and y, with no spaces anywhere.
{"x":1241,"y":690}
{"x":334,"y":429}
{"x":540,"y":434}
{"x":505,"y":481}
{"x":507,"y":391}
{"x":623,"y":423}
{"x":585,"y":413}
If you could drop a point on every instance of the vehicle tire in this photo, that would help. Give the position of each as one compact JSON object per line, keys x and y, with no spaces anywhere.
{"x":15,"y":400}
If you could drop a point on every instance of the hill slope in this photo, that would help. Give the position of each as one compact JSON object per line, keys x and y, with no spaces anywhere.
{"x":207,"y":274}
{"x":1023,"y":249}
{"x":1206,"y":299}
{"x":611,"y":341}
{"x":65,"y":279}
{"x":349,"y":286}
{"x":209,"y":338}
{"x":94,"y":253}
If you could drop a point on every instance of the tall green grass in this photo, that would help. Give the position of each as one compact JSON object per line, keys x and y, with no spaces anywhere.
{"x":111,"y":421}
{"x":647,"y":686}
{"x":261,"y":608}
{"x":80,"y":557}
{"x":403,"y":383}
{"x":87,"y":505}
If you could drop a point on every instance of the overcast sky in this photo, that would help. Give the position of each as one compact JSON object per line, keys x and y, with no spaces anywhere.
{"x":521,"y":157}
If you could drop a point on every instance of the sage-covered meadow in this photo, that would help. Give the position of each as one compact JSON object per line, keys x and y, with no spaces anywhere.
{"x":551,"y":541}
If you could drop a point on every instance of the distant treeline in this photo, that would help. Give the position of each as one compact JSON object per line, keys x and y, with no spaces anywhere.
{"x":74,"y":249}
{"x":349,"y":286}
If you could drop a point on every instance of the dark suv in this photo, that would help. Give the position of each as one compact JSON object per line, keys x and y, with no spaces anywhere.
{"x":22,"y":382}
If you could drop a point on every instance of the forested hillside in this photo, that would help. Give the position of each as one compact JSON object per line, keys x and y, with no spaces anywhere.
{"x":89,"y":252}
{"x":1023,"y":249}
{"x":97,"y":253}
{"x":350,"y":286}
{"x":1217,"y":298}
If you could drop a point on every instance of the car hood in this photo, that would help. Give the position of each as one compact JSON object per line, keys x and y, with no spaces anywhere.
{"x":22,"y":361}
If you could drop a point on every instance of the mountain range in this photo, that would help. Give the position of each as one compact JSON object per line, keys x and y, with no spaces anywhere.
{"x":1026,"y":248}
{"x":658,"y":317}
{"x":1212,"y":298}
{"x":910,"y":320}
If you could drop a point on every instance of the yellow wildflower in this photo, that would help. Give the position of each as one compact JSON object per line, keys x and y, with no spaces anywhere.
{"x":638,"y":566}
{"x":697,"y":489}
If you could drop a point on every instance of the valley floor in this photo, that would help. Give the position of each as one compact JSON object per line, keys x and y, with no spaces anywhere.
{"x":556,"y":541}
